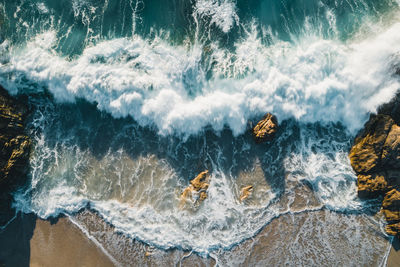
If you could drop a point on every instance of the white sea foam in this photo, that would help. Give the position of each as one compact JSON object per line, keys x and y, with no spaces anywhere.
{"x":156,"y":83}
{"x":140,"y":196}
{"x":221,"y":12}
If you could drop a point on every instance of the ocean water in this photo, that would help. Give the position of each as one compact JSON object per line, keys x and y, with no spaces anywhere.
{"x":132,"y":99}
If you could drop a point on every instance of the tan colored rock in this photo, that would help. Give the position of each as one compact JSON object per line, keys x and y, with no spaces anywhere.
{"x":371,"y":185}
{"x":246,"y":192}
{"x":367,"y":149}
{"x":391,"y":215}
{"x":266,"y":128}
{"x":203,"y":196}
{"x":391,"y":200}
{"x":198,"y":186}
{"x":375,"y":157}
{"x":201,"y":181}
{"x":391,"y":207}
{"x":393,"y":229}
{"x":391,"y":149}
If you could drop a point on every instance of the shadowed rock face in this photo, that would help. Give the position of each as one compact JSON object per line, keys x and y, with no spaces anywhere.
{"x":14,"y":143}
{"x":266,"y":128}
{"x":375,"y":157}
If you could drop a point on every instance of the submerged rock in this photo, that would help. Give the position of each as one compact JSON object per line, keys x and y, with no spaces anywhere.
{"x":14,"y":144}
{"x":266,"y":128}
{"x":375,"y":157}
{"x":197,"y":188}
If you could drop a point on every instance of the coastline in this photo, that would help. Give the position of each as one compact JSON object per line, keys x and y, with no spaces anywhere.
{"x":86,"y":239}
{"x":113,"y":93}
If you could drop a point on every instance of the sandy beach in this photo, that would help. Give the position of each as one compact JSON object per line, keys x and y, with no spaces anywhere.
{"x":394,"y":255}
{"x":63,"y":244}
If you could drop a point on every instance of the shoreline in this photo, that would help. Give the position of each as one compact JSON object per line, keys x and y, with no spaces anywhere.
{"x":118,"y":250}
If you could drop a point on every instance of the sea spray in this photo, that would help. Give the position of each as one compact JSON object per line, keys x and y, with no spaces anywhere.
{"x":316,"y":80}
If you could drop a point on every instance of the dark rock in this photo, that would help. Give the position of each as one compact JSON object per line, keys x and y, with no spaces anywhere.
{"x":14,"y":143}
{"x":392,"y":109}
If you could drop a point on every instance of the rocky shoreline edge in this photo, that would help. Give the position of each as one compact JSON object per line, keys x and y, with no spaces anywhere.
{"x":14,"y":150}
{"x":375,"y":157}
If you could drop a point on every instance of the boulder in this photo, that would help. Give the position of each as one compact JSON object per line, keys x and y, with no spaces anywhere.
{"x":371,"y":185}
{"x":245,"y":192}
{"x":366,"y":152}
{"x":391,"y":215}
{"x":375,"y":157}
{"x":266,"y":128}
{"x":392,"y":228}
{"x":197,"y":190}
{"x":391,"y":206}
{"x":391,"y":149}
{"x":201,"y":181}
{"x":391,"y":200}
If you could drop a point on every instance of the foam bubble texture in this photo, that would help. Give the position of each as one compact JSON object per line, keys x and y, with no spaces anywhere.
{"x":163,"y":85}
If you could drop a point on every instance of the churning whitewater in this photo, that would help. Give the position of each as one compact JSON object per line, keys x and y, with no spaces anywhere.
{"x":138,"y":108}
{"x":164,"y":85}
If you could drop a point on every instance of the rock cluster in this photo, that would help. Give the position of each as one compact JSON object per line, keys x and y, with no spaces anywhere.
{"x":14,"y":144}
{"x":266,"y":128}
{"x":375,"y":157}
{"x":197,"y":188}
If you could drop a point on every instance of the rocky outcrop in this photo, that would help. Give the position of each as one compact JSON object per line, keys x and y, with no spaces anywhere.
{"x":14,"y":143}
{"x":365,"y":155}
{"x":197,"y":190}
{"x":266,"y":128}
{"x":375,"y":157}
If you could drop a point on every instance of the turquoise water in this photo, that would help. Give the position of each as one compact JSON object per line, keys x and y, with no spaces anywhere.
{"x":133,"y":99}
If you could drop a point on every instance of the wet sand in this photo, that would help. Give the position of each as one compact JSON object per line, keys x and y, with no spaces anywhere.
{"x":63,"y":244}
{"x":287,"y":240}
{"x":394,"y":255}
